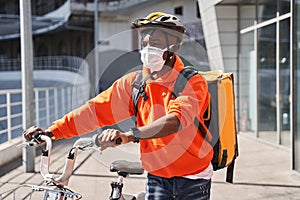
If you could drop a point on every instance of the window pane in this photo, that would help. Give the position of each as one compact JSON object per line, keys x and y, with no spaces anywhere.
{"x":266,"y":10}
{"x":267,"y":83}
{"x":284,"y":6}
{"x":296,"y":78}
{"x":284,"y":62}
{"x":247,"y":84}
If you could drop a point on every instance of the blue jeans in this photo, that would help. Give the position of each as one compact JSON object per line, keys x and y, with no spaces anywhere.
{"x":179,"y":188}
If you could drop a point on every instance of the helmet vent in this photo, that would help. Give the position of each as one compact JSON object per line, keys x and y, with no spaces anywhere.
{"x":163,"y":19}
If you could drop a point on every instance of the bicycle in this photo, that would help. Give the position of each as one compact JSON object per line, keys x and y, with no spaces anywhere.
{"x":56,"y":185}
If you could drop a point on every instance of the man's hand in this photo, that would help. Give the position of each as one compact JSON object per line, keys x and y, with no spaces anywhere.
{"x":113,"y":137}
{"x":27,"y":134}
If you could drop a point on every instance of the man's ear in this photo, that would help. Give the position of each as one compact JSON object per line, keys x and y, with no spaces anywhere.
{"x":167,"y":55}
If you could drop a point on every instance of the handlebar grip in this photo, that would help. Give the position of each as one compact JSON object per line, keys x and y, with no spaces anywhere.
{"x":111,"y":143}
{"x":37,"y":136}
{"x":119,"y":140}
{"x":97,"y":143}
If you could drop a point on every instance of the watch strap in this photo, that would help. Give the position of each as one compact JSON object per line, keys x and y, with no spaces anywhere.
{"x":136,"y":133}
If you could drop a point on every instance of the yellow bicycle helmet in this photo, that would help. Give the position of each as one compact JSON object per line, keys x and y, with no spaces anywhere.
{"x":160,"y":19}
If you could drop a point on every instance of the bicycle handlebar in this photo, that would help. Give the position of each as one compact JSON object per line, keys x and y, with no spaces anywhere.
{"x":45,"y":157}
{"x":117,"y":141}
{"x":123,"y":168}
{"x":81,"y":143}
{"x":63,"y":179}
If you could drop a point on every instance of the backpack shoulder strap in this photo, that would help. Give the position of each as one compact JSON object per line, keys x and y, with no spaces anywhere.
{"x":182,"y":79}
{"x":135,"y":90}
{"x":185,"y":74}
{"x":138,"y":88}
{"x":139,"y":84}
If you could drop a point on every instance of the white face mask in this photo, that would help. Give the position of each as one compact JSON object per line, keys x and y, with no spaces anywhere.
{"x":152,"y":57}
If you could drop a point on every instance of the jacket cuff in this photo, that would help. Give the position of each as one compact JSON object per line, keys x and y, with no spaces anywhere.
{"x":56,"y":132}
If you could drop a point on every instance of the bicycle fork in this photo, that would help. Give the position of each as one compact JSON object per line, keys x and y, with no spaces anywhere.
{"x":123,"y":168}
{"x":116,"y":186}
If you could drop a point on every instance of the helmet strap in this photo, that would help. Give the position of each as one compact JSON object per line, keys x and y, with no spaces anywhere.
{"x":177,"y":45}
{"x":170,"y":54}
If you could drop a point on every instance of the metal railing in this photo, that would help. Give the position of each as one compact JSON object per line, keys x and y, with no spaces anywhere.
{"x":67,"y":63}
{"x":104,"y":5}
{"x":120,"y":4}
{"x":40,"y":7}
{"x":50,"y":103}
{"x":46,"y":6}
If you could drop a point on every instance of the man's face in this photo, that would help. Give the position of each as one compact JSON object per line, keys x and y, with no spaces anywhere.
{"x":157,"y":38}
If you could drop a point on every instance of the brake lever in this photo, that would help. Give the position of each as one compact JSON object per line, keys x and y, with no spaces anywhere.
{"x":26,"y":144}
{"x":94,"y":148}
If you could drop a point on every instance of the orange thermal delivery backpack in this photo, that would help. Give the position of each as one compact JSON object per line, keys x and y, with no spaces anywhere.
{"x":219,"y":117}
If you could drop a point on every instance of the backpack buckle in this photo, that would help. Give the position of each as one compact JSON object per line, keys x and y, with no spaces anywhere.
{"x":141,"y":91}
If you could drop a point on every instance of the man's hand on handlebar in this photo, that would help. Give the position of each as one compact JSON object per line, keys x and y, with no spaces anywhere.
{"x":112,"y":138}
{"x":28,"y":133}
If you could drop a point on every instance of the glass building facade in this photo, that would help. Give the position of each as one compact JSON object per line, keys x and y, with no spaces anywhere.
{"x":269,"y":72}
{"x":296,"y":85}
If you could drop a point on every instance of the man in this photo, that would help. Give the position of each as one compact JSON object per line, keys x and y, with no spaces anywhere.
{"x":173,"y":152}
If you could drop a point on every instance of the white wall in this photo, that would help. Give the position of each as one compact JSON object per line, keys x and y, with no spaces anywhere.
{"x":228,"y":31}
{"x":211,"y":34}
{"x":63,"y":12}
{"x":117,"y":29}
{"x":189,"y":10}
{"x":115,"y":35}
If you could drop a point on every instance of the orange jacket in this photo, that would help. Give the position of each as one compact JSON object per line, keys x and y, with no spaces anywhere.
{"x":179,"y":154}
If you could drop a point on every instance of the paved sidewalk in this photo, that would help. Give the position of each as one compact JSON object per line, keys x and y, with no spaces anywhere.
{"x":262,"y":172}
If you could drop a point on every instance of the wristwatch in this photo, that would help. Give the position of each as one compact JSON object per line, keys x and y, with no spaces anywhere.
{"x":136,"y":133}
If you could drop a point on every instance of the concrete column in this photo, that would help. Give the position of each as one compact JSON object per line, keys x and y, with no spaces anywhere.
{"x":27,"y":78}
